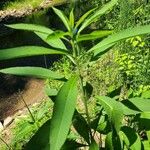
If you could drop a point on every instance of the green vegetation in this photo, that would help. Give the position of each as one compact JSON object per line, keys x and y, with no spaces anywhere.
{"x":85,"y":115}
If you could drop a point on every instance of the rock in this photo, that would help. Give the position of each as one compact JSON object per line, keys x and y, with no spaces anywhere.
{"x":1,"y":126}
{"x":8,"y":121}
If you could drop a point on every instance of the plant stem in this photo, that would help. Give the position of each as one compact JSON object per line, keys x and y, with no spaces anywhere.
{"x":84,"y":98}
{"x":28,"y":108}
{"x":5,"y":143}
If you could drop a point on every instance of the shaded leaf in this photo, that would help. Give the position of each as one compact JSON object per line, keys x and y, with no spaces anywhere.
{"x":39,"y":141}
{"x":93,"y":145}
{"x":71,"y":145}
{"x":62,"y":114}
{"x":131,"y":138}
{"x":81,"y":126}
{"x":88,"y":89}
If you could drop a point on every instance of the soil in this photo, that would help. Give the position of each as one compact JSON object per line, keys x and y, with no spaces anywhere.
{"x":11,"y":102}
{"x":6,"y":15}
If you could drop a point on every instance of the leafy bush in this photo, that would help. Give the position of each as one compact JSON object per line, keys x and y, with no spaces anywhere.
{"x":115,"y":120}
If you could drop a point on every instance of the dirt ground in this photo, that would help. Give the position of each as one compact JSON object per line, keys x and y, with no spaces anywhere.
{"x":32,"y":92}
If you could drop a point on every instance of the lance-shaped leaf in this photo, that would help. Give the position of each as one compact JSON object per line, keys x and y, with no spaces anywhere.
{"x":137,"y":104}
{"x":102,"y":46}
{"x":62,"y":114}
{"x":26,"y":51}
{"x":63,"y":18}
{"x":41,"y":31}
{"x":97,"y":14}
{"x":113,"y":110}
{"x":82,"y":18}
{"x":81,"y":126}
{"x":31,"y":27}
{"x":37,"y":72}
{"x":94,"y":35}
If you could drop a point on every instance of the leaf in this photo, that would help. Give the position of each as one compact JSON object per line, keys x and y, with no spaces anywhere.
{"x":138,"y":104}
{"x":39,"y":141}
{"x":81,"y":126}
{"x":112,"y":141}
{"x":62,"y":114}
{"x":97,"y":14}
{"x":40,"y":31}
{"x":51,"y":92}
{"x":109,"y":141}
{"x":56,"y":42}
{"x":94,"y":35}
{"x":31,"y":27}
{"x":26,"y":51}
{"x":82,"y":18}
{"x":71,"y":18}
{"x":63,"y":18}
{"x":38,"y":72}
{"x":71,"y":145}
{"x":108,"y":42}
{"x":93,"y":145}
{"x":131,"y":138}
{"x":146,"y":94}
{"x":113,"y":110}
{"x":88,"y":89}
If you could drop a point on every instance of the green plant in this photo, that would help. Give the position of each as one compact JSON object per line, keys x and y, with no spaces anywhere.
{"x":111,"y":116}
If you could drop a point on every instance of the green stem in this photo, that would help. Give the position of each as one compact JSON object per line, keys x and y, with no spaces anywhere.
{"x":84,"y":98}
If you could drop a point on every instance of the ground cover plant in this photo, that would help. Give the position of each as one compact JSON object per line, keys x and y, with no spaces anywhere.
{"x":118,"y":123}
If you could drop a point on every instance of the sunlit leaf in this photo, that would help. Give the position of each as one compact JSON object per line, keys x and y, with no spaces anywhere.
{"x":82,"y":18}
{"x":26,"y":51}
{"x":94,"y":35}
{"x":71,"y":18}
{"x":37,"y":72}
{"x":97,"y":14}
{"x":108,"y":42}
{"x":113,"y":110}
{"x":62,"y":114}
{"x":63,"y":18}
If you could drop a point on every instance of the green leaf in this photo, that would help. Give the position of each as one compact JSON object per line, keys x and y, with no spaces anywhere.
{"x":56,"y":42}
{"x":131,"y":138}
{"x":93,"y":145}
{"x":40,"y":31}
{"x":62,"y":114}
{"x":71,"y":145}
{"x":82,"y":18}
{"x":97,"y":14}
{"x":38,"y":72}
{"x":102,"y":46}
{"x":39,"y":141}
{"x":94,"y":35}
{"x":71,"y":18}
{"x":63,"y":18}
{"x":146,"y":94}
{"x":26,"y":51}
{"x":138,"y":104}
{"x":31,"y":27}
{"x":113,"y":110}
{"x":109,"y":141}
{"x":81,"y":126}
